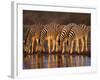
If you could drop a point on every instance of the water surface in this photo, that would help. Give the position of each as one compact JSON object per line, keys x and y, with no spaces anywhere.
{"x":36,"y":61}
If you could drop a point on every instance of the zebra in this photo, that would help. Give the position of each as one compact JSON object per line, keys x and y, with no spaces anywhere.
{"x":35,"y":36}
{"x":59,"y":29}
{"x":78,"y":32}
{"x":64,"y":36}
{"x":85,"y":33}
{"x":26,"y":41}
{"x":49,"y":33}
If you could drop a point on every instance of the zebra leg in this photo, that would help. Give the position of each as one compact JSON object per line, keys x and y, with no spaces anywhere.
{"x":29,"y":50}
{"x":32,"y":46}
{"x":54,"y":43}
{"x":63,"y":50}
{"x":82,"y":41}
{"x":56,"y":46}
{"x":86,"y":47}
{"x":37,"y":41}
{"x":49,"y":45}
{"x":42,"y":47}
{"x":67,"y":45}
{"x":33,"y":40}
{"x":77,"y":46}
{"x":71,"y":50}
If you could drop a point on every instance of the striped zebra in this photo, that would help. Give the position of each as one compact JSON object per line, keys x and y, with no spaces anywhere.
{"x":49,"y":33}
{"x":35,"y":36}
{"x":78,"y":32}
{"x":59,"y":30}
{"x":26,"y":40}
{"x":85,"y":33}
{"x":64,"y":36}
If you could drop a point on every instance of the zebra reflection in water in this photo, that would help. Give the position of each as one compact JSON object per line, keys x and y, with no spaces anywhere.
{"x":53,"y":61}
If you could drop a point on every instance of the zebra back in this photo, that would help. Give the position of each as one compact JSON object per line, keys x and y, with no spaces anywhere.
{"x":66,"y":31}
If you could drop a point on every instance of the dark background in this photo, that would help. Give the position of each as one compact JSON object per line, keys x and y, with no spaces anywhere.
{"x":44,"y":17}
